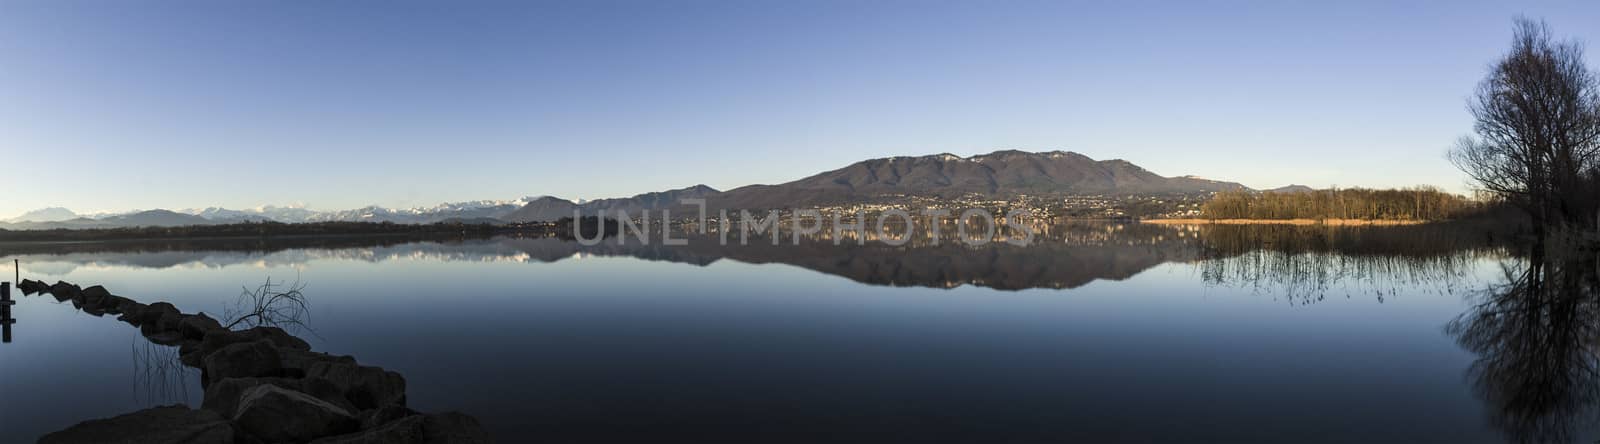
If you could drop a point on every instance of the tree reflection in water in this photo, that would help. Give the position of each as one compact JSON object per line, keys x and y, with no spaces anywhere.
{"x":1536,"y":335}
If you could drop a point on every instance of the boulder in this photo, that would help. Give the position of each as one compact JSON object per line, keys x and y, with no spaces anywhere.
{"x":174,"y":424}
{"x":94,"y":295}
{"x":327,"y":391}
{"x":163,"y":330}
{"x":278,"y":337}
{"x":366,"y":387}
{"x":300,"y":360}
{"x":131,"y":312}
{"x":64,"y":291}
{"x":407,"y":430}
{"x":153,"y":313}
{"x":217,"y":340}
{"x":64,"y":296}
{"x":372,"y":419}
{"x":243,"y":360}
{"x":168,"y":337}
{"x":91,"y":310}
{"x":223,"y":396}
{"x":443,"y":428}
{"x":120,"y":305}
{"x":114,"y":304}
{"x":168,"y":321}
{"x":30,"y":287}
{"x":275,"y":414}
{"x":220,"y":338}
{"x":188,"y":347}
{"x":197,"y":325}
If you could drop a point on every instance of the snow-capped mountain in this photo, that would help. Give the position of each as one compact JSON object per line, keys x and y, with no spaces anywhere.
{"x":476,"y":209}
{"x":458,"y":210}
{"x":52,"y":214}
{"x":49,"y":218}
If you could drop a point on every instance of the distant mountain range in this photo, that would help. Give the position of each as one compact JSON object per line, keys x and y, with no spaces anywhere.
{"x":1000,"y":174}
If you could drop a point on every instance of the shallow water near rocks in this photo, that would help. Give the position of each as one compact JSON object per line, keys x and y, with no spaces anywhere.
{"x":1097,"y":332}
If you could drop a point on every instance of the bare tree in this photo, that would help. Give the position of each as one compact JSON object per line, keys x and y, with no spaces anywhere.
{"x":272,"y":304}
{"x":1537,"y":128}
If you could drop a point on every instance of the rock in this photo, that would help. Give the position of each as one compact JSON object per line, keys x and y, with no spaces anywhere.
{"x":64,"y":291}
{"x":365,"y":387}
{"x":301,"y":361}
{"x":374,"y":418}
{"x":275,"y":414}
{"x":169,"y":321}
{"x":30,"y":287}
{"x":164,"y":337}
{"x":215,"y":340}
{"x":171,"y":424}
{"x":223,"y":396}
{"x":153,"y":313}
{"x":64,"y":296}
{"x":196,"y":326}
{"x":132,"y":312}
{"x":113,"y":304}
{"x":125,"y":304}
{"x":275,"y":335}
{"x":451,"y":427}
{"x":327,"y":391}
{"x":91,"y":310}
{"x":406,"y":430}
{"x":188,"y":347}
{"x":243,"y":360}
{"x":278,"y":337}
{"x":94,"y":295}
{"x":163,"y":330}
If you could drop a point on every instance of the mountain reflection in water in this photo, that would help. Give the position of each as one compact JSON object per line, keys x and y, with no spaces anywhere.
{"x":1299,"y":258}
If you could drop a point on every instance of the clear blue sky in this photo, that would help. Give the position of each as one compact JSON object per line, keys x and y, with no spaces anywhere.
{"x":120,"y":105}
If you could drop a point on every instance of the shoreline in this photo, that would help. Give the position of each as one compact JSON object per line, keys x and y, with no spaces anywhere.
{"x":259,"y":384}
{"x":1329,"y":222}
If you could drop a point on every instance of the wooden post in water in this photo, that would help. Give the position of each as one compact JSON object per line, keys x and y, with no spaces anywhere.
{"x":5,"y":312}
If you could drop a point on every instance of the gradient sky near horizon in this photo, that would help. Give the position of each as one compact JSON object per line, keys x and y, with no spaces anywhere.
{"x":113,"y":105}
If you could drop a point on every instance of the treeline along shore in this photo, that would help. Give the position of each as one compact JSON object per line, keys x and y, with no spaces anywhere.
{"x":1354,"y":204}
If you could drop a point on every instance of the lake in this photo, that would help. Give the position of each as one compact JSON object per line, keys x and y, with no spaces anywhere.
{"x":1096,"y":332}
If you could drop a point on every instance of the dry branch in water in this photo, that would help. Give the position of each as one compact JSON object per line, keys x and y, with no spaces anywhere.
{"x":272,"y":304}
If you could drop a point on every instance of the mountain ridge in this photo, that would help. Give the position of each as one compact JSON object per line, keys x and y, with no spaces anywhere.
{"x":999,"y":174}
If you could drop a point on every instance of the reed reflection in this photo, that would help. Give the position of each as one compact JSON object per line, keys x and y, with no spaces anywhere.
{"x":159,"y":378}
{"x":1305,"y":264}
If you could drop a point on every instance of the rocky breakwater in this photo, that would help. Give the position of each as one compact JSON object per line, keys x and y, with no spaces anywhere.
{"x":262,"y":385}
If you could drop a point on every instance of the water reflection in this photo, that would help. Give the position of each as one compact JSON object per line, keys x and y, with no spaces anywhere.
{"x":1532,"y":334}
{"x":1306,"y":264}
{"x":1536,"y":335}
{"x":159,"y":377}
{"x":1298,"y":262}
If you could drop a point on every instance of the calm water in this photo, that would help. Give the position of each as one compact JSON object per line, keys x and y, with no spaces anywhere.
{"x":1098,"y":333}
